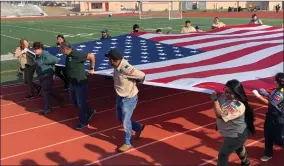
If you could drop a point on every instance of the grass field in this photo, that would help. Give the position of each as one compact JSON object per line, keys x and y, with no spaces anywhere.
{"x":77,"y":30}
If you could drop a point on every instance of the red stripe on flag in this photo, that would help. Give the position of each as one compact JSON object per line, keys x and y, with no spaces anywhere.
{"x":266,"y":83}
{"x":138,"y":33}
{"x":262,"y":64}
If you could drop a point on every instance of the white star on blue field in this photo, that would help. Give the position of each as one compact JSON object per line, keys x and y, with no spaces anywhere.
{"x":134,"y":49}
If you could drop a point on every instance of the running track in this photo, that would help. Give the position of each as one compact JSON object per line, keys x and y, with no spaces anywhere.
{"x":180,"y":130}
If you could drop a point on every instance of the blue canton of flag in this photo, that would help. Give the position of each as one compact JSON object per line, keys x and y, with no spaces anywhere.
{"x":134,"y":49}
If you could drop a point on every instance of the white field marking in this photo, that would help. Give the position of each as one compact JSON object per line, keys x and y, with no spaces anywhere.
{"x":35,"y":29}
{"x":85,"y":27}
{"x":11,"y":37}
{"x":65,"y":120}
{"x":10,"y":56}
{"x":7,"y":57}
{"x":109,"y":129}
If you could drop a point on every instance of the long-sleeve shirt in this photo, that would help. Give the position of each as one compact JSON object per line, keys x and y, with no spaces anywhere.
{"x":24,"y":58}
{"x":45,"y":62}
{"x":106,"y":37}
{"x":125,"y":79}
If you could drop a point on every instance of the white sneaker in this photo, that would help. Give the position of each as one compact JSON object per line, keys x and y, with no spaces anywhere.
{"x":265,"y":158}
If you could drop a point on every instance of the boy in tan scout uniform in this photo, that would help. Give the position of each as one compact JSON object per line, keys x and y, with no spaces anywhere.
{"x":255,"y":20}
{"x":187,"y":28}
{"x":126,"y":78}
{"x":217,"y":23}
{"x":28,"y":66}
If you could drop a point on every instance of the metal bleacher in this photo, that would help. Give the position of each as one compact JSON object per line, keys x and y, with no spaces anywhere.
{"x":13,"y":10}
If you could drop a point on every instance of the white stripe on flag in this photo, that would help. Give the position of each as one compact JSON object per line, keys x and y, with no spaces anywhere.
{"x":226,"y":41}
{"x":241,"y":76}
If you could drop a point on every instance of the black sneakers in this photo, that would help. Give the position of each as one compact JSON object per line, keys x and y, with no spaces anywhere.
{"x":138,"y":134}
{"x":81,"y":126}
{"x":29,"y":97}
{"x":44,"y":112}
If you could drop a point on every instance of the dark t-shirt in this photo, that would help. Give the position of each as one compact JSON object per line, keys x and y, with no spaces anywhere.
{"x":75,"y":67}
{"x":107,"y":37}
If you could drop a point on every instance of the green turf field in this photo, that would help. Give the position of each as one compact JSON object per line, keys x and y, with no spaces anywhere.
{"x":77,"y":30}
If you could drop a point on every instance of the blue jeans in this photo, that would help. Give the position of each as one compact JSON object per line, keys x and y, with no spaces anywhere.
{"x":78,"y":96}
{"x":124,"y":110}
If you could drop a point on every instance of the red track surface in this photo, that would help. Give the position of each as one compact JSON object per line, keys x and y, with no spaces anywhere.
{"x":180,"y":129}
{"x":261,"y":14}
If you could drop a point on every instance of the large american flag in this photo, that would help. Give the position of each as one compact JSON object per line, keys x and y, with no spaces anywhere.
{"x":201,"y":62}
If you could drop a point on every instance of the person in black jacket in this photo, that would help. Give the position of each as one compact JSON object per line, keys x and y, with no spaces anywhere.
{"x":274,"y":121}
{"x":60,"y":71}
{"x":105,"y":34}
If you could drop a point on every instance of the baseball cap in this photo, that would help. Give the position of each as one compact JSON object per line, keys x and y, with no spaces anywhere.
{"x":197,"y":27}
{"x":104,"y":31}
{"x":135,"y":26}
{"x":113,"y":54}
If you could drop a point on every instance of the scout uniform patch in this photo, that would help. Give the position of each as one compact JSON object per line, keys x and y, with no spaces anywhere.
{"x":277,"y":96}
{"x":129,"y":69}
{"x":277,"y":100}
{"x":232,"y":110}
